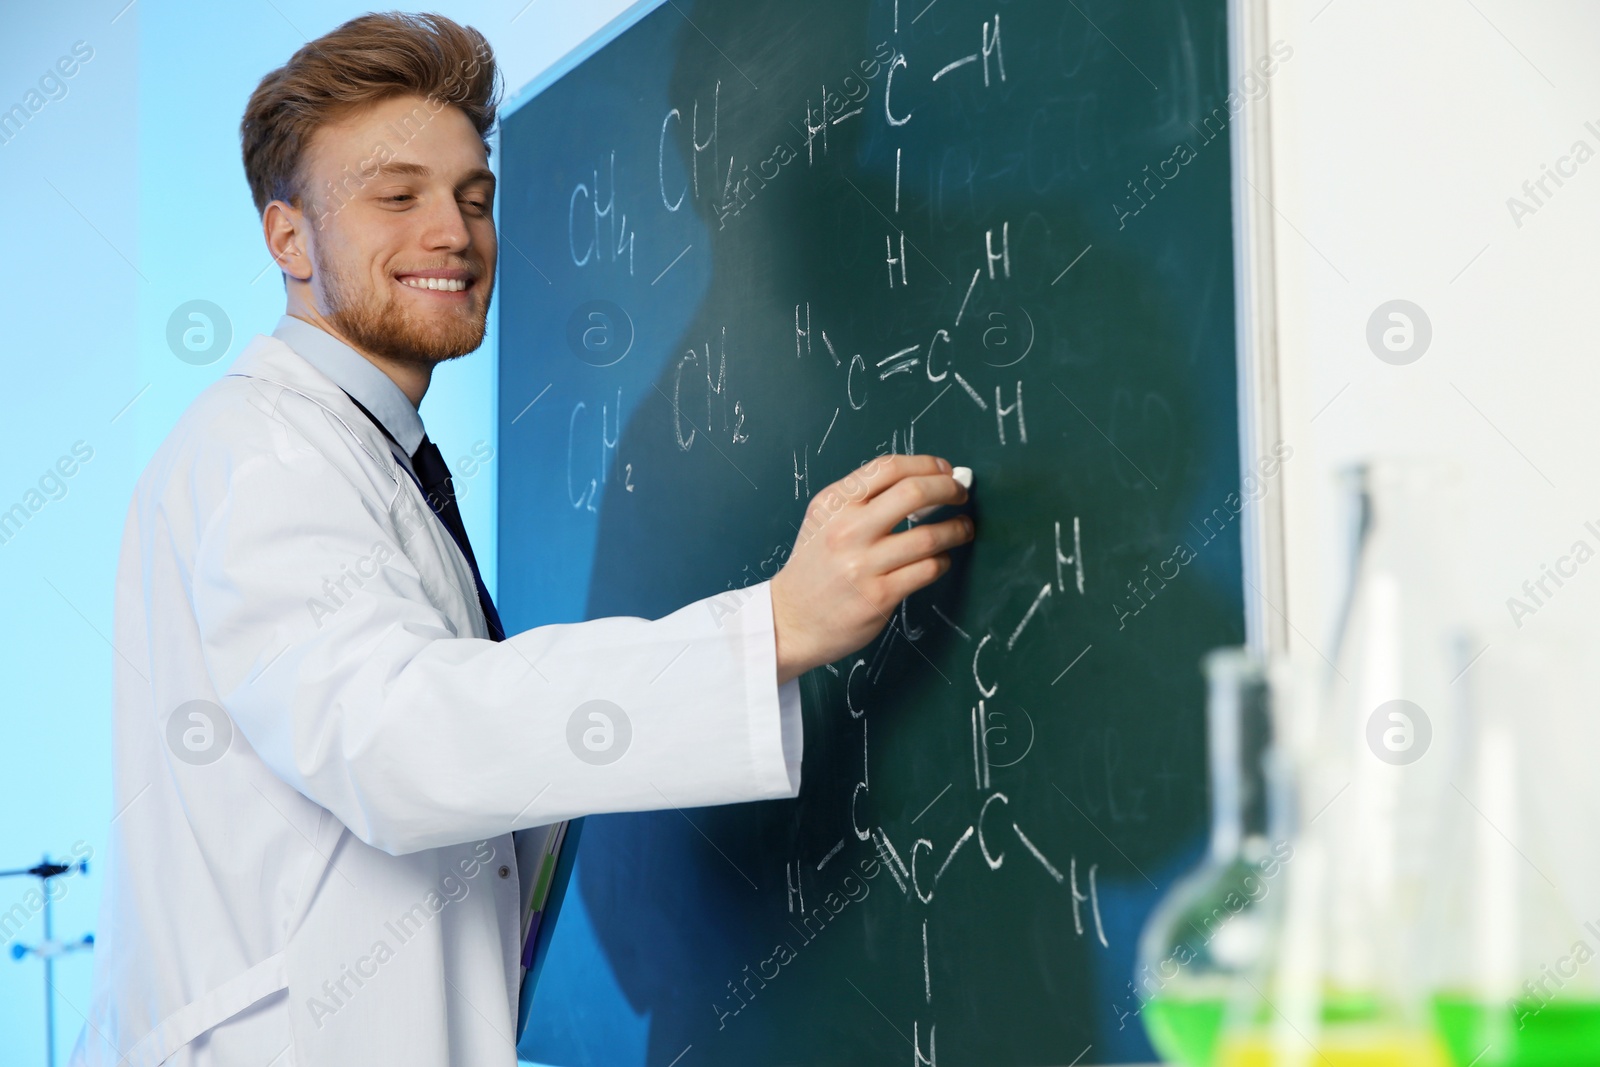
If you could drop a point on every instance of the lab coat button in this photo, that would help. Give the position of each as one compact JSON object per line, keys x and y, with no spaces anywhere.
{"x":505,"y":872}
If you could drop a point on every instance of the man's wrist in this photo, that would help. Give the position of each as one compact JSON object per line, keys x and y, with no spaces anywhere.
{"x":790,"y":666}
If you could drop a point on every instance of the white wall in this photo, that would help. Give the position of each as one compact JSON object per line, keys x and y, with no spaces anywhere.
{"x":1398,"y":132}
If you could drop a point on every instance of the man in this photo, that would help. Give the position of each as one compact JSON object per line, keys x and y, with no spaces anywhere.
{"x":323,"y":745}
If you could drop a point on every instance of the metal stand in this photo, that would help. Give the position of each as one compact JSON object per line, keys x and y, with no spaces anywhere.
{"x":49,"y":948}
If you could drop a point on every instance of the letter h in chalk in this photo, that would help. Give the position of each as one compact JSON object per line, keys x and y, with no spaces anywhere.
{"x":893,"y":260}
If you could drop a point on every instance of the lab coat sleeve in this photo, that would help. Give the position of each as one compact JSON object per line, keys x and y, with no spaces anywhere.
{"x":327,"y":653}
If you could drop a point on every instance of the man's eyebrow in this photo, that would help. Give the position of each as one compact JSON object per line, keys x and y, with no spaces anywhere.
{"x":401,"y":169}
{"x":477,"y":174}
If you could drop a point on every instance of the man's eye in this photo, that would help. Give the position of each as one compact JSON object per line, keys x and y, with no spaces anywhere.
{"x":478,"y":206}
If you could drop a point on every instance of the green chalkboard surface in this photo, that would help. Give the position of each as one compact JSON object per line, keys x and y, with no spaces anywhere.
{"x":746,"y":246}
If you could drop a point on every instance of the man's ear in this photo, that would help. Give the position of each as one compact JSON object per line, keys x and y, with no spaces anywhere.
{"x":287,"y":230}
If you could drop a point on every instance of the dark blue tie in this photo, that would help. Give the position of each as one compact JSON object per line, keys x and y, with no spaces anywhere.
{"x":433,"y":478}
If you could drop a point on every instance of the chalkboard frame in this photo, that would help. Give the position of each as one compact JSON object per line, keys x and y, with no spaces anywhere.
{"x":1261,"y":526}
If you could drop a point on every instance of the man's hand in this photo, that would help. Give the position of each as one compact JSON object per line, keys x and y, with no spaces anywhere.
{"x":849,"y":570}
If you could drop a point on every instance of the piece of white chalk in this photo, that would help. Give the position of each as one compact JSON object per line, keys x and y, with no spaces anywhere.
{"x":962,"y":475}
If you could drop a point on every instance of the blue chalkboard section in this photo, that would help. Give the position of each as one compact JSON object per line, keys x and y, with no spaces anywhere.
{"x":746,"y":246}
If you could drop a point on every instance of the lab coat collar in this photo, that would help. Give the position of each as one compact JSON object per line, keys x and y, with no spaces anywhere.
{"x":356,"y":375}
{"x":269,"y":359}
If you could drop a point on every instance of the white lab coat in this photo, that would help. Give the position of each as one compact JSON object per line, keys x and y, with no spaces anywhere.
{"x":340,"y":886}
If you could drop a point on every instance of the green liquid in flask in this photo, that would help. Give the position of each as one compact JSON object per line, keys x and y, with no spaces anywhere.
{"x":1184,"y":1029}
{"x":1560,"y":1034}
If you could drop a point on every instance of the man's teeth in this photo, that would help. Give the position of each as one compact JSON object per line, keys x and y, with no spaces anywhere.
{"x":447,"y":285}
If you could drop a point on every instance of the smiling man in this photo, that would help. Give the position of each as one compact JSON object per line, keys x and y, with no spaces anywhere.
{"x":325,"y":742}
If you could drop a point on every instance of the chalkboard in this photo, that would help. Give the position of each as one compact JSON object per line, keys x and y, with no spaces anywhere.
{"x":746,"y":246}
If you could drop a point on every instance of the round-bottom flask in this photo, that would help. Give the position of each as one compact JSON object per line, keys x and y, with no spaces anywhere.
{"x":1208,"y":935}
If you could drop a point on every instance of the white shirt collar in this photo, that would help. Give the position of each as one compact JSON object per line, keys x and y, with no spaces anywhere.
{"x":356,"y":375}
